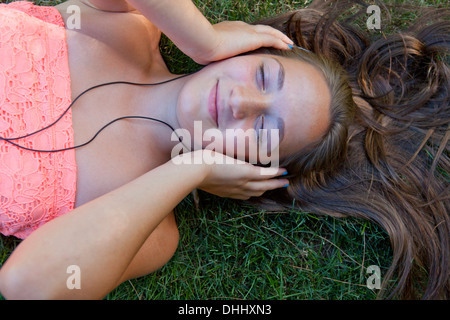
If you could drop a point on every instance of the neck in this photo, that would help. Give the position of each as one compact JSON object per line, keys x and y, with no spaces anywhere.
{"x":160,"y":102}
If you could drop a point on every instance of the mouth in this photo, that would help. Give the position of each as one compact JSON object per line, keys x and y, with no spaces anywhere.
{"x":212,"y":103}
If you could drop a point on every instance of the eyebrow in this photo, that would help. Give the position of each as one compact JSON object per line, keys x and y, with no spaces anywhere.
{"x":281,"y":74}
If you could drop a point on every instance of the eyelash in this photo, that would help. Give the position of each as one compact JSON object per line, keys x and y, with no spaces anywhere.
{"x":262,"y":127}
{"x":263,"y":78}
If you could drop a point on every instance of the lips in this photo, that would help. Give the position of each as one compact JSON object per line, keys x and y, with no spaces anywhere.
{"x":212,"y":103}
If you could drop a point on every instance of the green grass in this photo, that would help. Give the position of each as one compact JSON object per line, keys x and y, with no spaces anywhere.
{"x":230,"y":251}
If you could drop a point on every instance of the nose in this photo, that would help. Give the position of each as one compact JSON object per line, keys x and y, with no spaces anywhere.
{"x":245,"y":101}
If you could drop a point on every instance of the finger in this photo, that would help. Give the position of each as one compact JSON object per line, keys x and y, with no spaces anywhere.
{"x":273,"y":32}
{"x":268,"y":184}
{"x":282,"y":45}
{"x":258,"y":188}
{"x":268,"y":40}
{"x":264,"y":173}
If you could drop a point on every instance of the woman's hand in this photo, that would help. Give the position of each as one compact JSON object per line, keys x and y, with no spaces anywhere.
{"x":235,"y":37}
{"x":192,"y":33}
{"x":228,"y":177}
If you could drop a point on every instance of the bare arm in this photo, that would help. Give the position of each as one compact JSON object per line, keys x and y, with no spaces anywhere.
{"x":193,"y":34}
{"x":103,"y":236}
{"x":109,"y":5}
{"x":181,"y":21}
{"x":186,"y":26}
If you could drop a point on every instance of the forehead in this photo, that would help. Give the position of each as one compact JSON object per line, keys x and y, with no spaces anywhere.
{"x":303,"y":105}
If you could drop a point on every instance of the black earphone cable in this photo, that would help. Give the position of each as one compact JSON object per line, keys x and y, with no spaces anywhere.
{"x":10,"y":140}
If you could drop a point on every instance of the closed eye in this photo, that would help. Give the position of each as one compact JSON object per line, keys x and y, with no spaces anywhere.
{"x":260,"y":129}
{"x":263,"y":77}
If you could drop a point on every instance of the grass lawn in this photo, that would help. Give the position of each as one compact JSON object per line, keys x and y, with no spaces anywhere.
{"x":231,"y":251}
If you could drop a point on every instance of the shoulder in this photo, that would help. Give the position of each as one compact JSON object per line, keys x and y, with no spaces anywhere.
{"x":87,"y":9}
{"x":116,"y":29}
{"x":101,"y":39}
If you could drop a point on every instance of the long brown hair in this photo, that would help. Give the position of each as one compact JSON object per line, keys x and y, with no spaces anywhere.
{"x":392,"y":167}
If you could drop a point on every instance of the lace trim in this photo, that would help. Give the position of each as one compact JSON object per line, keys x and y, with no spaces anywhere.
{"x":34,"y":91}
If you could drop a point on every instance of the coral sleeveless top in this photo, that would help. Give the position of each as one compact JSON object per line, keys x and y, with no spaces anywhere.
{"x":35,"y":187}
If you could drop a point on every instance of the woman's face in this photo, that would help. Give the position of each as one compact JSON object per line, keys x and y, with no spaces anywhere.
{"x":229,"y":101}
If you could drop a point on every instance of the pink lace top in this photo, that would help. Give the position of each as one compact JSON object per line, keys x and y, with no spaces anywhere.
{"x":34,"y":91}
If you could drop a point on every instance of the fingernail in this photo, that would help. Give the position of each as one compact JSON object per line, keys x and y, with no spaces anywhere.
{"x":285,"y":173}
{"x":290,"y":46}
{"x":285,"y":186}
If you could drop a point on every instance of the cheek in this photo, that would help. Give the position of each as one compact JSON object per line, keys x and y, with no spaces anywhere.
{"x":242,"y":146}
{"x":233,"y":143}
{"x":241,"y":143}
